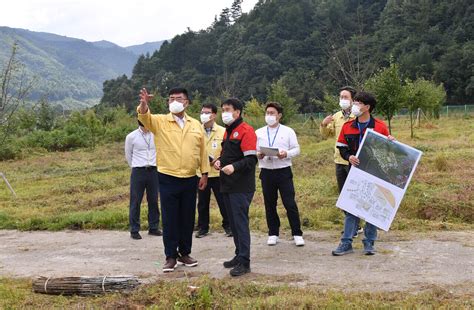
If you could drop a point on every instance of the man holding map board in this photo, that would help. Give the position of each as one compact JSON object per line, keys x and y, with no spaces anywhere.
{"x":382,"y":169}
{"x":276,"y":146}
{"x":375,"y":188}
{"x":348,"y":144}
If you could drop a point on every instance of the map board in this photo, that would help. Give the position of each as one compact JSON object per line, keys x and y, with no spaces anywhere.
{"x":374,"y":190}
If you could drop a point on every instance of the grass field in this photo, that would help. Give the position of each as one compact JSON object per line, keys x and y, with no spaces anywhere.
{"x":88,"y":188}
{"x":236,"y":294}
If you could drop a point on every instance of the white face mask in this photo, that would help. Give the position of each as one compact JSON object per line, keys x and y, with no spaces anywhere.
{"x":270,"y":120}
{"x":176,"y":107}
{"x":356,"y":110}
{"x":227,"y":118}
{"x":205,"y":118}
{"x":344,"y":103}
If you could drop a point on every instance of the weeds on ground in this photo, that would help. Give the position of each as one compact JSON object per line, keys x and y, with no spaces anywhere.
{"x":206,"y":293}
{"x":88,"y":188}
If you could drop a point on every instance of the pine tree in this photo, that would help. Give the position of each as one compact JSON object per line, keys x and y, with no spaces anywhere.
{"x":236,"y":10}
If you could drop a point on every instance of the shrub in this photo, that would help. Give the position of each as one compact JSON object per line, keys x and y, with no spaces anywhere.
{"x":9,"y":150}
{"x":441,"y":162}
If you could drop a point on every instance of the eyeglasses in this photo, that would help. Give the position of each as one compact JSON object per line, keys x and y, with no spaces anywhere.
{"x":179,"y":99}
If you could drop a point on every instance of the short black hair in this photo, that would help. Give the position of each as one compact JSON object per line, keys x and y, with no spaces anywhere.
{"x":275,"y":105}
{"x":179,"y":90}
{"x":140,"y":123}
{"x":211,"y":106}
{"x":367,"y":99}
{"x":350,"y":89}
{"x":235,"y":103}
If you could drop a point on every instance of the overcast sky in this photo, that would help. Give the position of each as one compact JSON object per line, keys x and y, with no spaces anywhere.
{"x":124,"y":22}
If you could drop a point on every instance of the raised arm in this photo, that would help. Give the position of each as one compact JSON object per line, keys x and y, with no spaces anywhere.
{"x":144,"y":114}
{"x":327,"y":127}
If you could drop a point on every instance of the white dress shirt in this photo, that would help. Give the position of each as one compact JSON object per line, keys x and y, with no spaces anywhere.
{"x":140,"y":149}
{"x":281,"y":137}
{"x":180,"y":121}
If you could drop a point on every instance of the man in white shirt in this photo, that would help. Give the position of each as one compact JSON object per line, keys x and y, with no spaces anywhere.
{"x":140,"y":153}
{"x":276,"y":146}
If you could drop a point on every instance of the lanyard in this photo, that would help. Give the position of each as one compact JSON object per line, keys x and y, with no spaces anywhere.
{"x":268,"y":134}
{"x":147,"y":142}
{"x":361,"y":135}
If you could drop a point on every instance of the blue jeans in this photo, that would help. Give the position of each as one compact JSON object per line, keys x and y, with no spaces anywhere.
{"x":370,"y":231}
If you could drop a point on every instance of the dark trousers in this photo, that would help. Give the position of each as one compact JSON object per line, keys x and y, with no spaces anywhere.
{"x":280,"y":180}
{"x":143,"y":179}
{"x":237,"y":206}
{"x":204,"y":200}
{"x":178,"y":208}
{"x":341,"y":175}
{"x":342,"y":171}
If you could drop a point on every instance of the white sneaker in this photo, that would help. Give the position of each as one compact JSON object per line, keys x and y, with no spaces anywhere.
{"x":298,"y":240}
{"x":272,"y":240}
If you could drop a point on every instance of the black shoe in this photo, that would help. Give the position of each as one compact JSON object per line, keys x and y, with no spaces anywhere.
{"x":135,"y":235}
{"x":155,"y":232}
{"x":202,"y":233}
{"x":239,"y":270}
{"x":228,"y":232}
{"x":231,"y":263}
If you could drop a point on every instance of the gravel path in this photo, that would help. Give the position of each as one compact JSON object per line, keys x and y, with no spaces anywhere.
{"x":405,"y":261}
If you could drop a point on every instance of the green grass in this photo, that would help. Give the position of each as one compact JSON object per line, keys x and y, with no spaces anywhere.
{"x":88,"y":188}
{"x":261,"y":293}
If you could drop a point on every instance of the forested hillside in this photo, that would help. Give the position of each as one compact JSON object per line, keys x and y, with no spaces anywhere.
{"x":314,"y":47}
{"x":147,"y":47}
{"x":67,"y":70}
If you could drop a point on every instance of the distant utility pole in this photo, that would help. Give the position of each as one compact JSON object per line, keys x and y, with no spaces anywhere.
{"x":8,"y":184}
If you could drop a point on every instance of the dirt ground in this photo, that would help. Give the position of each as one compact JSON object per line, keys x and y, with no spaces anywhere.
{"x":405,"y":261}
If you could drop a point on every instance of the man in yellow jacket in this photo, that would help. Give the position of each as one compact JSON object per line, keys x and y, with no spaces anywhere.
{"x":331,"y":127}
{"x":214,"y":135}
{"x":180,"y":151}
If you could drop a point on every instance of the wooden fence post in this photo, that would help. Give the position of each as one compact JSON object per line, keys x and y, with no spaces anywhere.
{"x":8,"y":184}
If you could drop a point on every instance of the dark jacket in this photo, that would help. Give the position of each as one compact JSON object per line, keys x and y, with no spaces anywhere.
{"x":239,"y":148}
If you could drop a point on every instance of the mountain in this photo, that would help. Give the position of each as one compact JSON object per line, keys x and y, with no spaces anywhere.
{"x":104,"y":44}
{"x":143,"y":49}
{"x":314,"y":47}
{"x":65,"y":70}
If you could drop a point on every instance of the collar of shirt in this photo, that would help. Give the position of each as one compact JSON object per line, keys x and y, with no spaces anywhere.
{"x":208,"y":130}
{"x":345,"y":114}
{"x":142,"y":132}
{"x":180,"y":121}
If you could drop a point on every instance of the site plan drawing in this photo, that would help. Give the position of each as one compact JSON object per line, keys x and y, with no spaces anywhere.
{"x":374,"y":190}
